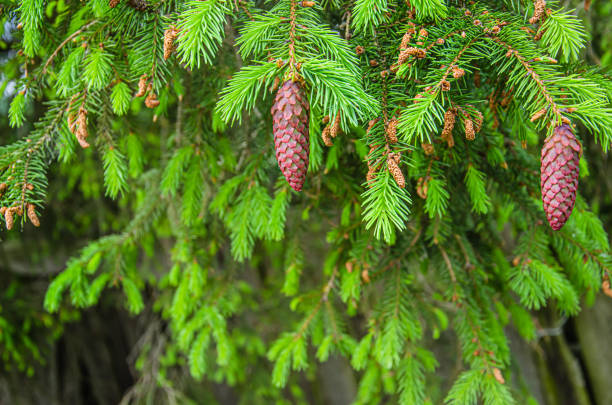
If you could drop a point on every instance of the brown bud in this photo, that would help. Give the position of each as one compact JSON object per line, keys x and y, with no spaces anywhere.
{"x":142,"y":86}
{"x":449,"y":124}
{"x":365,"y":276}
{"x":280,"y":63}
{"x":372,"y":123}
{"x":445,"y":85}
{"x":275,"y":84}
{"x":422,"y":187}
{"x":392,"y":130}
{"x":406,"y":40}
{"x":169,"y":38}
{"x":29,"y":186}
{"x":8,"y":218}
{"x":3,"y":187}
{"x":539,"y":9}
{"x":32,"y":214}
{"x":326,"y":137}
{"x":81,"y":128}
{"x":470,"y":135}
{"x":307,"y":3}
{"x":373,"y":62}
{"x":495,"y":30}
{"x":113,"y":3}
{"x":394,"y":169}
{"x":2,"y":210}
{"x":423,"y":32}
{"x":335,"y":128}
{"x":359,"y":50}
{"x":458,"y":72}
{"x":498,"y":375}
{"x":477,"y":22}
{"x":538,"y":114}
{"x":428,"y":148}
{"x":151,"y":101}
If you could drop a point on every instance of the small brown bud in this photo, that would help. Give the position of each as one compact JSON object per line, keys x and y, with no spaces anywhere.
{"x":539,"y":9}
{"x":151,"y":101}
{"x":326,"y":137}
{"x":445,"y":85}
{"x":384,"y":73}
{"x":440,"y":41}
{"x":169,"y":38}
{"x":3,"y":187}
{"x":2,"y":210}
{"x":478,"y":121}
{"x":29,"y":186}
{"x":142,"y":86}
{"x":307,"y":3}
{"x":449,"y":124}
{"x":423,"y":32}
{"x":373,"y":62}
{"x":395,"y":170}
{"x":8,"y":218}
{"x":349,"y":266}
{"x":335,"y":129}
{"x":538,"y":114}
{"x":326,"y":119}
{"x":32,"y":214}
{"x":81,"y":128}
{"x":470,"y":135}
{"x":392,"y":130}
{"x":498,"y":375}
{"x":467,"y":13}
{"x":275,"y":84}
{"x":365,"y":276}
{"x":458,"y":72}
{"x":477,"y":23}
{"x":428,"y":148}
{"x":359,"y":50}
{"x":422,"y":187}
{"x":280,"y":63}
{"x":406,"y":40}
{"x":113,"y":3}
{"x":495,"y":30}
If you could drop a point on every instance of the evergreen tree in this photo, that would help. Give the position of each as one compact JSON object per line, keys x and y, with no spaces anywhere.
{"x":414,"y":130}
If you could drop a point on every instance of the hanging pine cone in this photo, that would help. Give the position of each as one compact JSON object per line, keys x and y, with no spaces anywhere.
{"x":290,"y":116}
{"x":559,"y":175}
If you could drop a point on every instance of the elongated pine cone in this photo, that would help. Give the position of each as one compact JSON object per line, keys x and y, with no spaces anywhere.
{"x":559,"y":175}
{"x":291,"y":140}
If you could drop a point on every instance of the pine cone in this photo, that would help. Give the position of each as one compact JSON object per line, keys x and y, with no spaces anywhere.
{"x":559,"y":175}
{"x":290,"y":116}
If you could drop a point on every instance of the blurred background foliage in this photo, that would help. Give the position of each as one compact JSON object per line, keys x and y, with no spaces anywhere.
{"x":105,"y":355}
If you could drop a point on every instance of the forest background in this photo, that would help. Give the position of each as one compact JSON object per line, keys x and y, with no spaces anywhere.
{"x":121,"y":342}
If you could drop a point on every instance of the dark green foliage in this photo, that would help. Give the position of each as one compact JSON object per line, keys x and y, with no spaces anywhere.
{"x":443,"y":235}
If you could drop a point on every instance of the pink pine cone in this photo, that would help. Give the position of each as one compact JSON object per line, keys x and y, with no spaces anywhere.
{"x":559,"y":175}
{"x":290,"y":116}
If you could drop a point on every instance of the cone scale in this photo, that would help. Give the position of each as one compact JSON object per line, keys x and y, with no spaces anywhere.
{"x":290,"y":127}
{"x":559,"y":175}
